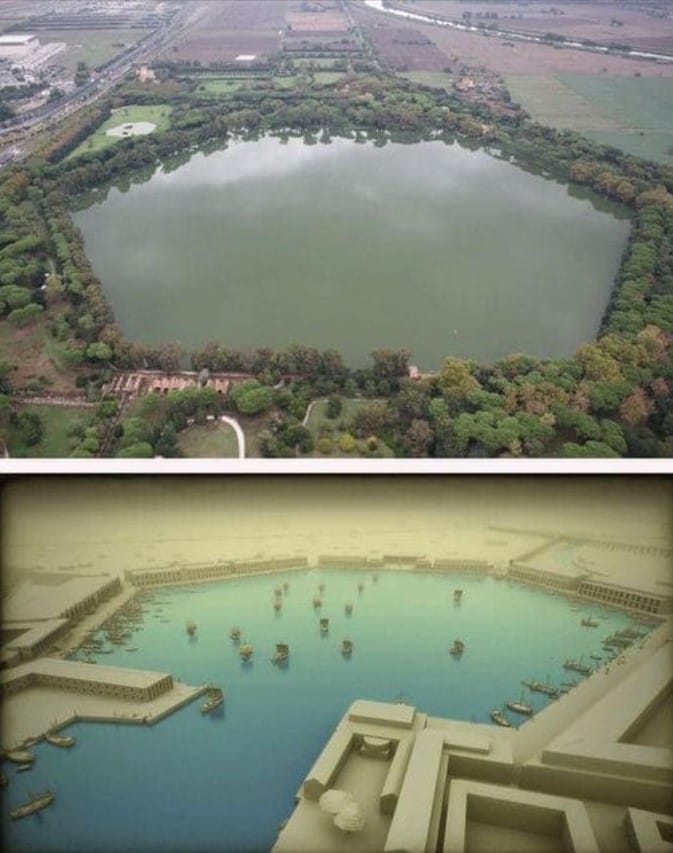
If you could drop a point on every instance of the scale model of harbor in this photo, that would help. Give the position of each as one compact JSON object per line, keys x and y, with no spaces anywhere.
{"x":592,"y":769}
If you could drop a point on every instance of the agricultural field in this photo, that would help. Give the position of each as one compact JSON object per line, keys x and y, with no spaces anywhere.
{"x":632,"y":113}
{"x":646,"y":27}
{"x":210,"y":440}
{"x":498,"y":54}
{"x":230,"y":29}
{"x":58,"y":425}
{"x":158,"y":114}
{"x":91,"y":46}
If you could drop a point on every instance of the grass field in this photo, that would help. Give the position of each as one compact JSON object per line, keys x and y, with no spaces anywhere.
{"x":210,"y":440}
{"x":328,"y":76}
{"x":91,"y":46}
{"x":55,"y":442}
{"x":318,"y":422}
{"x":219,"y":86}
{"x":37,"y":358}
{"x":158,"y":114}
{"x":436,"y":79}
{"x":632,"y":113}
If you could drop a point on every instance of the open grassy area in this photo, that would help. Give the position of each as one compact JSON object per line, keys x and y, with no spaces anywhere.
{"x":632,"y":113}
{"x":56,"y":422}
{"x":158,"y":114}
{"x":436,"y":79}
{"x":328,"y":76}
{"x":39,"y":361}
{"x":318,"y":423}
{"x":91,"y":46}
{"x":210,"y":440}
{"x":220,"y":86}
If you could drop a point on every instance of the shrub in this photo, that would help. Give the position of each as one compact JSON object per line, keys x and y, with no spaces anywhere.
{"x":334,"y":406}
{"x":347,"y":443}
{"x":325,"y":445}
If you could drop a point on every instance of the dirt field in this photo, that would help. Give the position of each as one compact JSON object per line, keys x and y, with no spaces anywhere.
{"x":325,"y":16}
{"x":234,"y":27}
{"x":407,"y":49}
{"x":503,"y":56}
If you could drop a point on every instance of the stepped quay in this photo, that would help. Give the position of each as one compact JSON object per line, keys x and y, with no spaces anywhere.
{"x":591,"y":772}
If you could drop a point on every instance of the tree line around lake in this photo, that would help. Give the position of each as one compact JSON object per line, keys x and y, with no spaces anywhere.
{"x":613,"y":398}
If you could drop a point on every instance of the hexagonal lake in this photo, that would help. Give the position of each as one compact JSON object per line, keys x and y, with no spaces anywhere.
{"x":430,"y":246}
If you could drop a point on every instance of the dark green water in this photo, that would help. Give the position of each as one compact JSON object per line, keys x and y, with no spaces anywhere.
{"x":429,"y":246}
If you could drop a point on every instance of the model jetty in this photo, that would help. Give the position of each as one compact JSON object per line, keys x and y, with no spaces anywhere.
{"x":457,"y":648}
{"x":588,"y":622}
{"x":235,"y":634}
{"x":55,"y":739}
{"x":215,"y":699}
{"x":191,"y":628}
{"x":324,"y":626}
{"x":630,"y":634}
{"x":348,"y":608}
{"x":498,"y":717}
{"x":457,"y":594}
{"x":245,"y":652}
{"x":282,"y":655}
{"x":577,"y":666}
{"x":542,"y":687}
{"x":346,"y":648}
{"x":34,"y":803}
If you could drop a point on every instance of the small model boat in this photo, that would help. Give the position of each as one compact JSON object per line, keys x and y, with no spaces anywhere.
{"x":59,"y":740}
{"x":282,"y":654}
{"x":457,"y":648}
{"x":520,"y":708}
{"x":589,"y":623}
{"x":361,"y":587}
{"x":215,"y":700}
{"x":191,"y":628}
{"x":498,"y":717}
{"x":246,"y":651}
{"x":278,"y":591}
{"x":321,"y":587}
{"x":317,"y":601}
{"x":277,"y":604}
{"x":542,"y":687}
{"x":35,"y":803}
{"x":346,"y":648}
{"x":577,"y":666}
{"x":457,"y":594}
{"x":324,"y":626}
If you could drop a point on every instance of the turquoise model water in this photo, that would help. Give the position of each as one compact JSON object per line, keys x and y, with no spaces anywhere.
{"x":195,"y":782}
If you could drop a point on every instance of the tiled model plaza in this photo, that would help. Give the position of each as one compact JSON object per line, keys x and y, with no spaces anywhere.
{"x":593,"y":771}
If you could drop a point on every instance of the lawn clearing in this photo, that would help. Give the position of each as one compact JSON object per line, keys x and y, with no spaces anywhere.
{"x":57,"y":421}
{"x":156,"y":114}
{"x":435,"y":79}
{"x":219,"y":86}
{"x":39,"y":361}
{"x":211,"y":440}
{"x":319,"y":424}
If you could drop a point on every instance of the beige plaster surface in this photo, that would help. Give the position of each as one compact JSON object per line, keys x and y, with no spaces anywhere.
{"x":30,"y":713}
